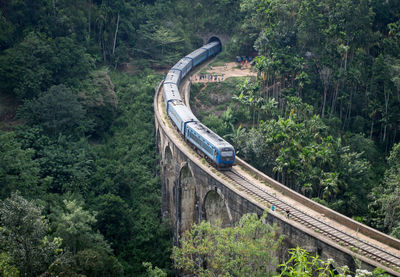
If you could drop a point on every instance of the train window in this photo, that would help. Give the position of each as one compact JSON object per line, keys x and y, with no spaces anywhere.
{"x":227,"y":153}
{"x":207,"y":148}
{"x":195,"y":138}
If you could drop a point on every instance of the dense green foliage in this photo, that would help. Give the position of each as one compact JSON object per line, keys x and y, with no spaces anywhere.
{"x":23,"y":236}
{"x":248,"y":249}
{"x":83,"y":150}
{"x":385,"y":199}
{"x":302,"y":264}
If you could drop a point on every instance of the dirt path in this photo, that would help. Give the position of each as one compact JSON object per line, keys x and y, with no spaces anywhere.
{"x":221,"y":73}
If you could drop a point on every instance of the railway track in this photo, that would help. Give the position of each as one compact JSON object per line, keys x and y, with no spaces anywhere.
{"x":342,"y":238}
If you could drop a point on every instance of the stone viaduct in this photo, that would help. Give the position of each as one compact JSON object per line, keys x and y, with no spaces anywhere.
{"x":193,"y":191}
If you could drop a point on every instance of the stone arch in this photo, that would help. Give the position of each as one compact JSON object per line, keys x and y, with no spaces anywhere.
{"x":188,"y":199}
{"x":169,"y":180}
{"x":215,"y":209}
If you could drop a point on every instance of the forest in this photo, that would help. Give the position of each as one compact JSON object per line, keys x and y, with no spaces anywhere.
{"x":79,"y":184}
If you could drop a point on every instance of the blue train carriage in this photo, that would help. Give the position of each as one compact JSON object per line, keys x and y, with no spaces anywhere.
{"x":180,"y":115}
{"x":215,"y":149}
{"x":212,"y":48}
{"x":184,"y":66}
{"x":170,"y":92}
{"x":173,"y":77}
{"x":197,"y":56}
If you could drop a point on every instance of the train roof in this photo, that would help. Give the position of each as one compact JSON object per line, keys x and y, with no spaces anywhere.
{"x":173,"y":77}
{"x":195,"y":53}
{"x":183,"y":112}
{"x":209,"y":135}
{"x":210,"y":45}
{"x":181,"y":64}
{"x":171,"y":91}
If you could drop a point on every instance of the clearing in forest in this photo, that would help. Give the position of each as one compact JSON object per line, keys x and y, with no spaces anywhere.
{"x":221,"y":73}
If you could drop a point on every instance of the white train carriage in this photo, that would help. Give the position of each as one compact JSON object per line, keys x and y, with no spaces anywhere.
{"x":184,"y":66}
{"x":180,"y":115}
{"x":170,"y":92}
{"x":212,"y":48}
{"x":173,"y":77}
{"x":197,"y":56}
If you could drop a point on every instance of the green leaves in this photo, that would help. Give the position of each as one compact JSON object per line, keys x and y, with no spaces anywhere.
{"x":248,"y":249}
{"x":159,"y":44}
{"x":23,"y":236}
{"x":128,"y":211}
{"x":302,"y":264}
{"x":387,"y":196}
{"x":25,"y":69}
{"x":74,"y":226}
{"x":91,"y":252}
{"x":298,"y":150}
{"x":98,"y":97}
{"x":18,"y":169}
{"x":6,"y":268}
{"x":57,"y":111}
{"x":114,"y":220}
{"x":38,"y":62}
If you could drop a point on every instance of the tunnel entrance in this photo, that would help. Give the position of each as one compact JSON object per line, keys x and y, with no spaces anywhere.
{"x":213,"y":38}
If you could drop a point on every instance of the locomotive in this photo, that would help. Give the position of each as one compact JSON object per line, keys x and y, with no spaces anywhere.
{"x":212,"y":147}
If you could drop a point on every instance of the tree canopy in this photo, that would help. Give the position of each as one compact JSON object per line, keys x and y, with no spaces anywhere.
{"x":247,"y":249}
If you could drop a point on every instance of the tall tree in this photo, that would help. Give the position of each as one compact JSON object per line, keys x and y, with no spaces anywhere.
{"x":18,"y":169}
{"x":91,"y":251}
{"x":57,"y":111}
{"x":387,"y":196}
{"x":248,"y":249}
{"x":24,"y":236}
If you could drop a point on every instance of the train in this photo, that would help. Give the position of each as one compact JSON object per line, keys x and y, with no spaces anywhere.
{"x":208,"y":144}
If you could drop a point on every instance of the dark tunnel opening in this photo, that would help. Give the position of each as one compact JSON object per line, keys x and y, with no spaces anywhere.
{"x":212,"y":39}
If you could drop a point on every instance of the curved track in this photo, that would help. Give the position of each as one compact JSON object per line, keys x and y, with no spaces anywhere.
{"x":342,"y":238}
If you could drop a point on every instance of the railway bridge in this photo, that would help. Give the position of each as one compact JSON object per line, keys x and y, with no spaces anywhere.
{"x":193,"y":191}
